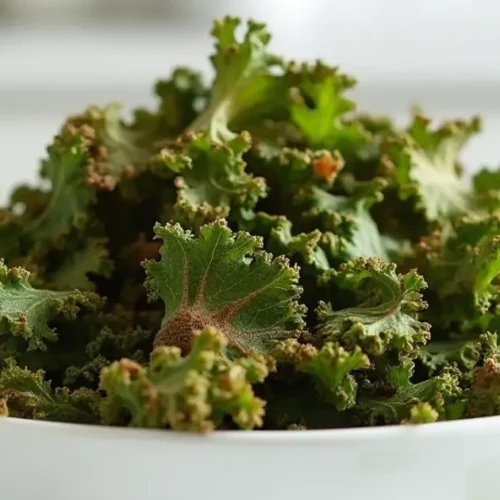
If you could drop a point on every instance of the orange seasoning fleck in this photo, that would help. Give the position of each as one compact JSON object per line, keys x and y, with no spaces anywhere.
{"x":327,"y":167}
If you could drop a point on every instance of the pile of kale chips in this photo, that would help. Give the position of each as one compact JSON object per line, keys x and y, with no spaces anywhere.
{"x":253,"y":254}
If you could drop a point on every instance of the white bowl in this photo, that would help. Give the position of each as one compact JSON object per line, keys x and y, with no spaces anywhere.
{"x":444,"y":461}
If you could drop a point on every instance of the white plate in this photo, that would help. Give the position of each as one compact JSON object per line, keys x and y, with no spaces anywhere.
{"x":444,"y":461}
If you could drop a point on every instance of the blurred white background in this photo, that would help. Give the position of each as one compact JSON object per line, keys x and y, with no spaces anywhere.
{"x":57,"y":56}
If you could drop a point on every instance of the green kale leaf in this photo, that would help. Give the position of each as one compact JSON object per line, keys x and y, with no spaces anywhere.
{"x":245,"y":89}
{"x":385,"y":314}
{"x":422,"y":402}
{"x":347,"y":217}
{"x":223,"y":280}
{"x":67,"y":169}
{"x":28,"y":394}
{"x":331,"y":368}
{"x":318,"y":108}
{"x":26,"y":311}
{"x":462,"y":268}
{"x":192,"y":393}
{"x":213,"y":180}
{"x":427,"y":169}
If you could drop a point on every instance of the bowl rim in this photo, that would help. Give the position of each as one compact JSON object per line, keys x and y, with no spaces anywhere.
{"x":482,"y":426}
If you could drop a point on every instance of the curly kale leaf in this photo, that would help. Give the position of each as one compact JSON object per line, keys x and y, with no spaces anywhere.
{"x":462,"y":269}
{"x":292,"y":169}
{"x":307,"y":249}
{"x":476,"y":363}
{"x":213,"y":180}
{"x":426,"y":166}
{"x":223,"y":280}
{"x":348,"y":218}
{"x":94,"y":151}
{"x":479,"y":277}
{"x":478,"y":240}
{"x":318,"y":108}
{"x":386,"y":312}
{"x":464,"y":354}
{"x":29,"y":395}
{"x":311,"y":247}
{"x":245,"y":90}
{"x":192,"y":393}
{"x":422,"y":402}
{"x":66,"y":168}
{"x":115,"y":152}
{"x":331,"y":368}
{"x":26,"y":312}
{"x":438,"y":354}
{"x":256,"y":91}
